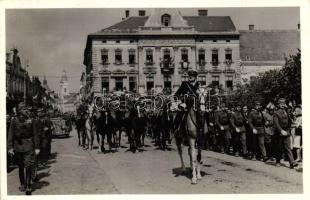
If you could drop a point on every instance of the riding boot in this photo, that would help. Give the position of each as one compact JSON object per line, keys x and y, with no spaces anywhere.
{"x":21,"y":172}
{"x":28,"y":180}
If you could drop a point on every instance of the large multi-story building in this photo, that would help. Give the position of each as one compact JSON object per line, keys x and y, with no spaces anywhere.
{"x":144,"y":53}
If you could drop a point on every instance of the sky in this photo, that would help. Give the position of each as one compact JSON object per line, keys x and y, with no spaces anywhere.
{"x":53,"y":40}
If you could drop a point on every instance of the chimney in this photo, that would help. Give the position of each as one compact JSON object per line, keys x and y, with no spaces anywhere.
{"x":202,"y":12}
{"x":251,"y":27}
{"x":126,"y":13}
{"x":141,"y":12}
{"x":298,"y":26}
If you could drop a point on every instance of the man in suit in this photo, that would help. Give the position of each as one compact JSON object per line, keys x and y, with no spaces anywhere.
{"x":23,"y":142}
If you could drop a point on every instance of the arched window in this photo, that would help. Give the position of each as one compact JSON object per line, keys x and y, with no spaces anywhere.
{"x":165,"y":20}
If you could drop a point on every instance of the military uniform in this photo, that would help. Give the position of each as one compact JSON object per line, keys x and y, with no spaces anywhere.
{"x":46,"y":139}
{"x":222,"y":121}
{"x":269,"y":134}
{"x":187,"y":94}
{"x":282,"y":123}
{"x":257,"y":122}
{"x":237,"y":123}
{"x":23,"y":138}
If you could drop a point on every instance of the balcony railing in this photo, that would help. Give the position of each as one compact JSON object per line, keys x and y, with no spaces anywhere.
{"x":167,"y":66}
{"x":149,"y":62}
{"x":228,"y":62}
{"x":215,"y":62}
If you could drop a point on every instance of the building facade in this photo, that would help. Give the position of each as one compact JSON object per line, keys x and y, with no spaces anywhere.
{"x":146,"y":53}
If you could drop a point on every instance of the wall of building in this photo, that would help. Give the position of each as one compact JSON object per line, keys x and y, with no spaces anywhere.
{"x":142,"y":71}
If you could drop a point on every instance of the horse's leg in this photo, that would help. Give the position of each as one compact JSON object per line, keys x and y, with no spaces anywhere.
{"x":179,"y":147}
{"x":199,"y":177}
{"x":193,"y":157}
{"x":79,"y":136}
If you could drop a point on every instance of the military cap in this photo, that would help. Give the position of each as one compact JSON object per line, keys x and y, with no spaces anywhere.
{"x":281,"y":100}
{"x":192,"y":72}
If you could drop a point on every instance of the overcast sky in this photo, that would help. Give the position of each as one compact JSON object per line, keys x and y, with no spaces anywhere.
{"x":54,"y":39}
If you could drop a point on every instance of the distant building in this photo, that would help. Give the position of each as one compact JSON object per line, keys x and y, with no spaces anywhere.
{"x":154,"y":52}
{"x":263,"y":50}
{"x":66,"y":99}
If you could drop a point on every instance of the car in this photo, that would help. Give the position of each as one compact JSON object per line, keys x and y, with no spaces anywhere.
{"x":60,"y":129}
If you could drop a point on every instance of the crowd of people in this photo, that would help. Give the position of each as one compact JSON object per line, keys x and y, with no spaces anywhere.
{"x":29,"y":137}
{"x":261,"y":133}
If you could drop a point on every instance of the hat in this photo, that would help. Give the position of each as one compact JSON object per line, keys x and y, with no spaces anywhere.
{"x":281,"y":100}
{"x":192,"y":72}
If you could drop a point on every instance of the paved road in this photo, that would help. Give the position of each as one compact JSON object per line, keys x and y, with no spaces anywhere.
{"x":76,"y":171}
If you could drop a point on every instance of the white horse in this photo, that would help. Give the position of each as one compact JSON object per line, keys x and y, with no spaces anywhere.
{"x":89,"y":126}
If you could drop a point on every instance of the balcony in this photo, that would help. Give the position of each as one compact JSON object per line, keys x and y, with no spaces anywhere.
{"x":149,"y":63}
{"x":132,"y":64}
{"x":167,"y":66}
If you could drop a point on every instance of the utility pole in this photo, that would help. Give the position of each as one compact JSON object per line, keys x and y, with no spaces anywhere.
{"x":25,"y":87}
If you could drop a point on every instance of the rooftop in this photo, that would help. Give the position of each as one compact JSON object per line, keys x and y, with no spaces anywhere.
{"x":268,"y":45}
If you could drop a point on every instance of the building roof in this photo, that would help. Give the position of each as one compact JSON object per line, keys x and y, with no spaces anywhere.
{"x":200,"y":23}
{"x":268,"y":45}
{"x":211,"y":23}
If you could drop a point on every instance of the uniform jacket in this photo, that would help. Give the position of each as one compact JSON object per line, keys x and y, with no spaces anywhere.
{"x":257,"y":121}
{"x":222,"y":119}
{"x":269,"y":126}
{"x":281,"y":120}
{"x":23,"y":135}
{"x":188,"y":89}
{"x":237,"y":121}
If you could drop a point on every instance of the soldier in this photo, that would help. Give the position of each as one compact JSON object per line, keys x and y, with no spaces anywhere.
{"x":211,"y":135}
{"x":256,"y":122}
{"x":46,"y":138}
{"x":282,"y":135}
{"x":187,"y":93}
{"x":269,"y":130}
{"x":239,"y":132}
{"x":245,"y":114}
{"x":23,"y":142}
{"x":222,"y":122}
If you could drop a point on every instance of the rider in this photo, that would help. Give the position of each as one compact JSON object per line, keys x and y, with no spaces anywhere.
{"x":186,"y":93}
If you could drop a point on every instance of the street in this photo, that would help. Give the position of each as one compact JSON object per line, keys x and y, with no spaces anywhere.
{"x":73,"y":170}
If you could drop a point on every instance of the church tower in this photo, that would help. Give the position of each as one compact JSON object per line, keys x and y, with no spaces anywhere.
{"x":64,"y":89}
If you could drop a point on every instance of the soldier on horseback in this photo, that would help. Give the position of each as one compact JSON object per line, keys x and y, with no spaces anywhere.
{"x":187,"y":93}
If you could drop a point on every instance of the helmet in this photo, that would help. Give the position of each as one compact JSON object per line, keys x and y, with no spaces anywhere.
{"x":192,"y":72}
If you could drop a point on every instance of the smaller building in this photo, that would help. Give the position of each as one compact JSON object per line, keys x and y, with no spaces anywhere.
{"x":264,"y":50}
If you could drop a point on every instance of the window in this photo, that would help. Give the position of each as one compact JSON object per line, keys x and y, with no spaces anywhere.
{"x":201,"y":57}
{"x":201,"y":41}
{"x":118,"y":56}
{"x":149,"y":83}
{"x":141,"y":12}
{"x":104,"y":56}
{"x":227,"y":41}
{"x":167,"y":82}
{"x":215,"y":58}
{"x":131,"y":41}
{"x":104,"y":41}
{"x":105,"y":83}
{"x":132,"y":84}
{"x":117,"y":41}
{"x":149,"y":56}
{"x":184,"y":55}
{"x":228,"y":55}
{"x":165,"y":20}
{"x":202,"y":80}
{"x":167,"y":55}
{"x":132,"y":55}
{"x":215,"y":80}
{"x":229,"y":82}
{"x":214,"y":40}
{"x":119,"y":83}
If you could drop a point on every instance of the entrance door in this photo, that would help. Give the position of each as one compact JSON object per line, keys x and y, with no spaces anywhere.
{"x":119,"y":83}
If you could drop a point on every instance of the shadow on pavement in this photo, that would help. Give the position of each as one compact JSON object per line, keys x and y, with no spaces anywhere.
{"x":187,"y":173}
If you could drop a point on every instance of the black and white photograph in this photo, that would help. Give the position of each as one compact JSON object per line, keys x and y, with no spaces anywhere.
{"x":152,"y":100}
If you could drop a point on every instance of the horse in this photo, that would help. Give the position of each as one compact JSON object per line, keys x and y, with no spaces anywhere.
{"x":104,"y":127}
{"x":190,"y":133}
{"x":89,"y":127}
{"x":80,"y":125}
